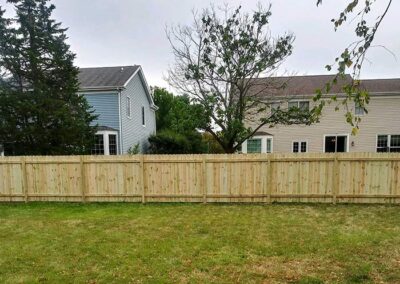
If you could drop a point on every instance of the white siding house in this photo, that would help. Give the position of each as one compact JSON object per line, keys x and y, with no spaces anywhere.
{"x":379,"y":128}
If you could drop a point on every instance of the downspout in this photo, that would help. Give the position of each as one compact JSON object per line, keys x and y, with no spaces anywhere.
{"x":121,"y":149}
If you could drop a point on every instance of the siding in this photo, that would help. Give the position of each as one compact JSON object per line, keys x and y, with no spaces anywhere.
{"x":383,"y":118}
{"x":106,"y":106}
{"x":133,"y":131}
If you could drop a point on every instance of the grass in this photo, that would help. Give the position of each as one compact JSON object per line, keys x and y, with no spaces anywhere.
{"x":184,"y":243}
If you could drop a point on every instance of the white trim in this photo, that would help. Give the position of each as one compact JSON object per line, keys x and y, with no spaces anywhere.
{"x":106,"y":140}
{"x":355,"y":110}
{"x":147,"y":88}
{"x":98,"y":92}
{"x":389,"y":136}
{"x":338,"y":134}
{"x":264,"y":139}
{"x":100,"y":89}
{"x":132,"y":76}
{"x":128,"y":114}
{"x":300,"y":141}
{"x":298,"y":101}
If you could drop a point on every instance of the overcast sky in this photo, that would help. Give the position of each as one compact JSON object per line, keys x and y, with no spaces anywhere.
{"x":127,"y":32}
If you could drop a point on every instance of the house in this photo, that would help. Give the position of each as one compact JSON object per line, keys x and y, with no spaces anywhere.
{"x":379,"y":129}
{"x":122,"y":100}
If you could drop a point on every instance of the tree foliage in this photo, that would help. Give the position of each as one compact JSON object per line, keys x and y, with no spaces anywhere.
{"x":353,"y":57}
{"x":171,"y":142}
{"x":178,"y":121}
{"x":217,"y":62}
{"x":40,"y":110}
{"x":177,"y":113}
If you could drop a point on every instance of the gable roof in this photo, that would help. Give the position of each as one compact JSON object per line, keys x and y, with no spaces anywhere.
{"x":381,"y":85}
{"x":106,"y":77}
{"x":297,"y":85}
{"x":307,"y":85}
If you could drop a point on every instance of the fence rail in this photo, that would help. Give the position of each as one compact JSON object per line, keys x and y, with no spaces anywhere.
{"x":347,"y":177}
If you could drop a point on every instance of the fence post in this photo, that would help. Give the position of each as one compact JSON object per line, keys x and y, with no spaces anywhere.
{"x":204,"y":169}
{"x":269,"y":184}
{"x":142,"y":179}
{"x":24,"y":179}
{"x":336,"y":179}
{"x":83,"y":178}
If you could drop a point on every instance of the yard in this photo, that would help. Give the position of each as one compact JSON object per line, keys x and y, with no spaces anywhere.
{"x":182,"y":243}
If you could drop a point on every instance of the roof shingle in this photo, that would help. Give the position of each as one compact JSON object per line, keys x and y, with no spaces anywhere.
{"x":111,"y":77}
{"x":307,"y":85}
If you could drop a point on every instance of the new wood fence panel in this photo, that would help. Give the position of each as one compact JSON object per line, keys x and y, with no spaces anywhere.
{"x":348,"y":177}
{"x":11,"y":187}
{"x":109,"y":179}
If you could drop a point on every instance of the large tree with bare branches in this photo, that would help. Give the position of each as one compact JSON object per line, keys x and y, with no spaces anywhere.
{"x":217,"y":63}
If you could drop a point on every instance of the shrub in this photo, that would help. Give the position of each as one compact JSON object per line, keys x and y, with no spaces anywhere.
{"x":170,"y":142}
{"x":134,"y":150}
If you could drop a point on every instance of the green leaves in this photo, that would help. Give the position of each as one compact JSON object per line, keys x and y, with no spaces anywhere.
{"x":40,"y":110}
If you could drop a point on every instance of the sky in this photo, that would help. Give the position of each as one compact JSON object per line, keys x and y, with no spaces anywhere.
{"x":128,"y":32}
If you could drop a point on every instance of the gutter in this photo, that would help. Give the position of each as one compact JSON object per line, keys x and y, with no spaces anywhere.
{"x":121,"y":147}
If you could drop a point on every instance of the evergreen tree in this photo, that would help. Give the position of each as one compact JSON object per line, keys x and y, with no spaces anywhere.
{"x":41,"y":112}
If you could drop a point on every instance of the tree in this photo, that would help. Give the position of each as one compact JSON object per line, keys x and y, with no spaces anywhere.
{"x":178,"y":121}
{"x":353,"y":57}
{"x":41,"y":112}
{"x":177,"y":113}
{"x":217,"y":62}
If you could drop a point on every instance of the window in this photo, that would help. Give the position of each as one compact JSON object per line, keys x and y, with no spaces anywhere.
{"x":275,"y":106}
{"x":269,"y":145}
{"x":143,"y":117}
{"x":388,"y":143}
{"x":358,"y":110}
{"x":336,"y":143}
{"x":98,"y":148}
{"x":112,"y":144}
{"x":254,"y":146}
{"x":106,"y":143}
{"x":128,"y":106}
{"x":302,"y":105}
{"x":1,"y":150}
{"x":299,"y":147}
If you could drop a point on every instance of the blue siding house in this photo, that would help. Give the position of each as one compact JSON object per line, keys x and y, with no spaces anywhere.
{"x":122,"y":100}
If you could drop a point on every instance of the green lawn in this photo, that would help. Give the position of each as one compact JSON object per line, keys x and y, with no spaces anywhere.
{"x":187,"y":243}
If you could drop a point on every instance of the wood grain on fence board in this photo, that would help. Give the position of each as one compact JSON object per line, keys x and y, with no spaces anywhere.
{"x":311,"y":177}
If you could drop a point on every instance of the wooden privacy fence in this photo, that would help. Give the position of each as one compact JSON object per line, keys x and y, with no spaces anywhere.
{"x":350,"y":177}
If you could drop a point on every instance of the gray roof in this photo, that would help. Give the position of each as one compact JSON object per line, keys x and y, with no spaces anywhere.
{"x":108,"y":77}
{"x":307,"y":85}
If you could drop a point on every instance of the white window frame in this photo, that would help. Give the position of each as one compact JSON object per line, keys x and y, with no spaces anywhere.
{"x":389,"y":136}
{"x":339,"y":134}
{"x":298,"y":103}
{"x":357,"y":107}
{"x":275,"y":106}
{"x":263,"y":143}
{"x":106,"y":139}
{"x":143,"y":116}
{"x":128,"y":107}
{"x":299,"y":141}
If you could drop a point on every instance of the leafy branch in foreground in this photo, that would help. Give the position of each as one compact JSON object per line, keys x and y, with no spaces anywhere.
{"x":353,"y":57}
